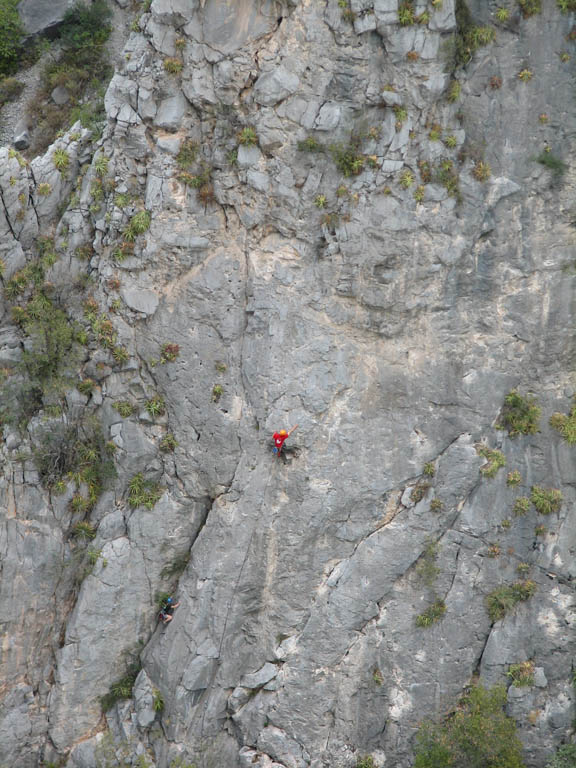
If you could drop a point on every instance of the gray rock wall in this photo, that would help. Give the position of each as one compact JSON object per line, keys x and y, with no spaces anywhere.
{"x":389,"y":328}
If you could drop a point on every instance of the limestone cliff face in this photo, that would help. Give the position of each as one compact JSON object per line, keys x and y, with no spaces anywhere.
{"x":300,"y":288}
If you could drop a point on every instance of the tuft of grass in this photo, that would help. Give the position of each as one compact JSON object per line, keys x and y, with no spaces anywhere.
{"x":495,"y":459}
{"x":429,"y":469}
{"x":530,"y":7}
{"x":503,"y":599}
{"x":451,"y":142}
{"x":550,"y":161}
{"x":168,"y":444}
{"x":454,"y":92}
{"x":513,"y":478}
{"x":124,"y":408}
{"x":173,"y":66}
{"x":44,"y":189}
{"x":419,"y":194}
{"x":248,"y":137}
{"x":406,"y":14}
{"x":187,"y":155}
{"x":142,"y":492}
{"x":347,"y":158}
{"x":546,"y":500}
{"x":427,"y":569}
{"x":217,"y":392}
{"x":310,"y":144}
{"x":436,"y":505}
{"x":419,"y":491}
{"x":84,"y":531}
{"x":521,"y":506}
{"x":521,"y":674}
{"x":481,"y":171}
{"x":101,"y":165}
{"x":158,"y":700}
{"x":121,"y":689}
{"x":156,"y":406}
{"x":432,"y":614}
{"x":502,"y":15}
{"x":525,"y":75}
{"x":140,"y":222}
{"x":520,"y":414}
{"x":406,"y":178}
{"x":10,"y":89}
{"x":60,"y":160}
{"x":320,"y":201}
{"x":565,"y":424}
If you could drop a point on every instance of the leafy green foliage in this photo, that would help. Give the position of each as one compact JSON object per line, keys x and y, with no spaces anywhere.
{"x":477,"y":735}
{"x":520,"y":414}
{"x":546,"y":500}
{"x":566,"y":6}
{"x":502,"y":599}
{"x":432,"y":614}
{"x":365,"y":762}
{"x":82,"y":69}
{"x":347,"y":158}
{"x":76,"y":451}
{"x":142,"y":492}
{"x":11,"y":33}
{"x":10,"y":88}
{"x":86,"y":26}
{"x":429,"y":469}
{"x":513,"y":478}
{"x":565,"y":757}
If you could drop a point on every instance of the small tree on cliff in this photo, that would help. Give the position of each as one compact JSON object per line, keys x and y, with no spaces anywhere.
{"x":477,"y":735}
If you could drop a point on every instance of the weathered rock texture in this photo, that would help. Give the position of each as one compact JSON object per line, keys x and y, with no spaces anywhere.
{"x":390,"y":332}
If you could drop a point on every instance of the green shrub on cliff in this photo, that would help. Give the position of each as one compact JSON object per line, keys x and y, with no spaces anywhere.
{"x":10,"y":36}
{"x":520,"y":414}
{"x":477,"y":735}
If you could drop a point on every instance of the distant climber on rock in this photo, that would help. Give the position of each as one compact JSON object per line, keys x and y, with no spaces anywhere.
{"x":279,"y":438}
{"x":167,"y":609}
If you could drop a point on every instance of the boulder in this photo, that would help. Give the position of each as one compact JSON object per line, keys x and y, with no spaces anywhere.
{"x":38,"y":16}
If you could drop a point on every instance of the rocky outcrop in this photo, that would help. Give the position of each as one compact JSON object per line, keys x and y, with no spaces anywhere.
{"x":37,"y":16}
{"x":324,"y":230}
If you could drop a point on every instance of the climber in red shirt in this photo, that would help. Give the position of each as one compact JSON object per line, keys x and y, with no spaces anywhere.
{"x":280,"y":437}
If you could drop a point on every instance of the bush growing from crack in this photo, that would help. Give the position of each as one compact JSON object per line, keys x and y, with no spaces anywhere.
{"x":530,"y":7}
{"x":478,"y":734}
{"x":503,"y":599}
{"x":170,"y":352}
{"x":124,"y":408}
{"x":513,"y":478}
